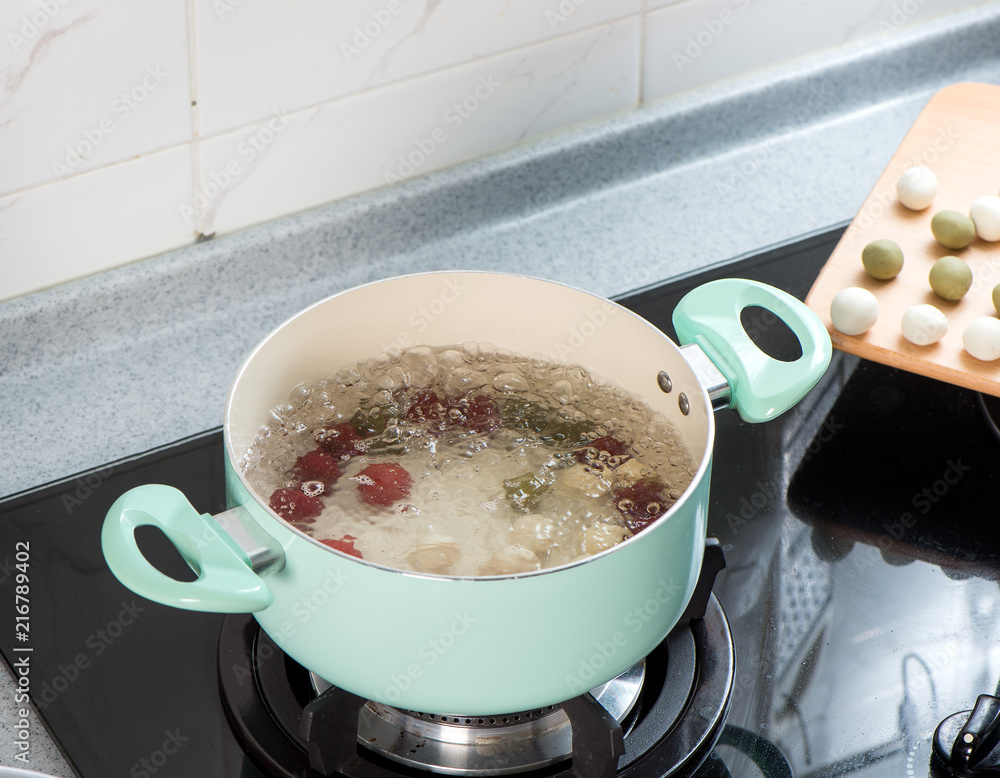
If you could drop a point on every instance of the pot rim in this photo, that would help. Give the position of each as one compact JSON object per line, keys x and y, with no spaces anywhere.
{"x":699,"y":474}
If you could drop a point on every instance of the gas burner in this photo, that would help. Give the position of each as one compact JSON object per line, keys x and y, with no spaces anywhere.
{"x":661,"y":717}
{"x":484,"y":745}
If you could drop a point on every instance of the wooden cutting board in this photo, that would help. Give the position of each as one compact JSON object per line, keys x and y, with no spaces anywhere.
{"x":957,"y":135}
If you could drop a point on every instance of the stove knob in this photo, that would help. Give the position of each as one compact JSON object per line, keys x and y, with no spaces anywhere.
{"x":968,"y":744}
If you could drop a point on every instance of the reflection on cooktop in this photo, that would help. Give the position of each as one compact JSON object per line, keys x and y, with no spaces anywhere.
{"x":908,"y":465}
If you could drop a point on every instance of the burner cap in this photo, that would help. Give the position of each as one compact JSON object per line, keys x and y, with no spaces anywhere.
{"x":505,"y":744}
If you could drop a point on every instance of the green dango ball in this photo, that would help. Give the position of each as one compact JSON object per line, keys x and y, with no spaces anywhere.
{"x":996,"y":298}
{"x":952,"y":229}
{"x":883,"y":259}
{"x":950,"y":278}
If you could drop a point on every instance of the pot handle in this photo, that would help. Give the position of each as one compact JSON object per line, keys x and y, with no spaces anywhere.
{"x":761,"y":387}
{"x":226,"y":582}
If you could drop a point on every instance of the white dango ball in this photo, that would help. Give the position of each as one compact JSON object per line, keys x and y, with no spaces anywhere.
{"x":916,"y":187}
{"x":982,"y":338}
{"x":854,"y":310}
{"x":985,"y":214}
{"x":923,"y":325}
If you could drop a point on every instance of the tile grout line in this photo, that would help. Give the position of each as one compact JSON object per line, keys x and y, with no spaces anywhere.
{"x":98,"y":169}
{"x":643,"y":20}
{"x":195,"y":118}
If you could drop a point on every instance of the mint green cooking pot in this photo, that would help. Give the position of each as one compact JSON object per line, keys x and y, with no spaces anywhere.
{"x":472,"y":646}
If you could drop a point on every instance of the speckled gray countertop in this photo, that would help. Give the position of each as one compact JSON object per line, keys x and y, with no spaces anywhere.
{"x":134,"y":358}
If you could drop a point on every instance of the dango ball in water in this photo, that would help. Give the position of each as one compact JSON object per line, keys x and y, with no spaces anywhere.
{"x":916,"y":187}
{"x":923,"y":325}
{"x":883,"y":259}
{"x":952,"y":229}
{"x":510,"y":560}
{"x":982,"y":338}
{"x":854,"y":310}
{"x":950,"y":278}
{"x":435,"y":553}
{"x":601,"y":537}
{"x":985,"y":215}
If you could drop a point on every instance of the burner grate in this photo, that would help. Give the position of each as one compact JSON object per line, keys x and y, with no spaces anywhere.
{"x":671,"y":730}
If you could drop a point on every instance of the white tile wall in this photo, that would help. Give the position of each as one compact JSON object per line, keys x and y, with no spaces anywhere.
{"x":128,"y":127}
{"x":379,"y":136}
{"x":79,"y":90}
{"x":311,"y":51}
{"x":94,"y":221}
{"x":691,"y":43}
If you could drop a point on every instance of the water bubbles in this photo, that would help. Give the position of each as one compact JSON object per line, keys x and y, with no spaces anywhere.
{"x":461,"y":380}
{"x":275,"y":424}
{"x":470,"y":350}
{"x":347,"y":376}
{"x":313,"y":488}
{"x":538,"y":375}
{"x":300,"y":395}
{"x":449,"y":359}
{"x":398,"y":377}
{"x":510,"y":383}
{"x":562,"y":392}
{"x":420,"y":365}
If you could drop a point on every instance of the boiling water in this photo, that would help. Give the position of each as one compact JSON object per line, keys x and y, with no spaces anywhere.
{"x":517,"y":489}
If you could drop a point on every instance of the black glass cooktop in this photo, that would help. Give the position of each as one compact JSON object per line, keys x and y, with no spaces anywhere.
{"x":860,"y":588}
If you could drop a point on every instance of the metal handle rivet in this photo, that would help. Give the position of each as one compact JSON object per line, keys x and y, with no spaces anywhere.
{"x":683,"y":404}
{"x":664,"y":381}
